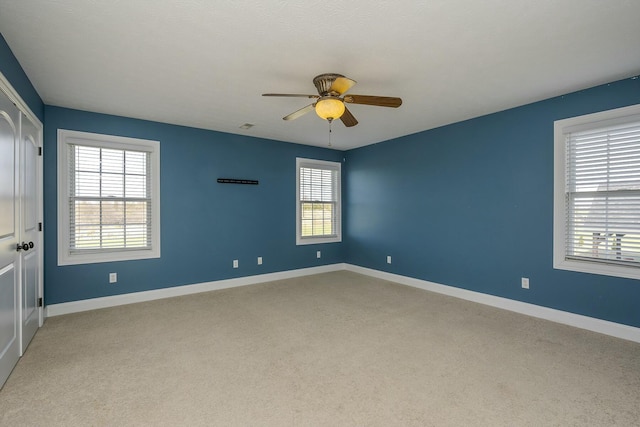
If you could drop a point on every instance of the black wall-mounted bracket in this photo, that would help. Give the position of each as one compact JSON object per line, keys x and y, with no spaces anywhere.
{"x":237,"y":181}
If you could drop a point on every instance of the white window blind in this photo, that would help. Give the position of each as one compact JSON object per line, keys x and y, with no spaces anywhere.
{"x":602,"y":190}
{"x":318,"y":201}
{"x":109,"y":199}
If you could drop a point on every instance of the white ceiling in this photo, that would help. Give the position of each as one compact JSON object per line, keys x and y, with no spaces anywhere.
{"x":205,"y":63}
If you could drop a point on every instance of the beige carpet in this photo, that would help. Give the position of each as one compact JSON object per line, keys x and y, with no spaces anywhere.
{"x":337,"y":349}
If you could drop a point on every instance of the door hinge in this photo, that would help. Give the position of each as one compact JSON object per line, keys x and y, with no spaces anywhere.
{"x":39,"y":151}
{"x":39,"y":226}
{"x":39,"y":302}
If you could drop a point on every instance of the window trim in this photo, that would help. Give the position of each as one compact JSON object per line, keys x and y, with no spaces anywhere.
{"x":319,"y":164}
{"x":561,"y":129}
{"x":69,"y":137}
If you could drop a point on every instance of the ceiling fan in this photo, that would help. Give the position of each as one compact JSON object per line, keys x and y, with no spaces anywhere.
{"x":331,"y":99}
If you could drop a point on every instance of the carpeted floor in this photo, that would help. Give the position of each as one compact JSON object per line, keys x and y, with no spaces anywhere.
{"x":336,"y":349}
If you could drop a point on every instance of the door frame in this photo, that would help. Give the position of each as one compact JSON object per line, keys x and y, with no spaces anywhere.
{"x":13,"y":95}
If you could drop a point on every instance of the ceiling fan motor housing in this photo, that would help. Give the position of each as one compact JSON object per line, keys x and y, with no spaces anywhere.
{"x":323,"y":83}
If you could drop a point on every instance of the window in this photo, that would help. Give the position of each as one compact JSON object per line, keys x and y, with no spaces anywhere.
{"x":597,"y":193}
{"x":108,"y":198}
{"x":318,"y":204}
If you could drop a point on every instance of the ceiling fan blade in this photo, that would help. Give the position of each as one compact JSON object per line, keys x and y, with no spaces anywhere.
{"x":341,"y":84}
{"x":380,"y":101}
{"x":348,"y":119}
{"x":300,"y":112}
{"x":291,"y":95}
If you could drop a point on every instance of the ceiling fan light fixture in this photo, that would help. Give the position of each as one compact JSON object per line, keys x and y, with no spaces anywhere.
{"x":331,"y":98}
{"x":329,"y":108}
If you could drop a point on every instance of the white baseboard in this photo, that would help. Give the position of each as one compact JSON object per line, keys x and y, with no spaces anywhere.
{"x":617,"y":330}
{"x":135,"y":297}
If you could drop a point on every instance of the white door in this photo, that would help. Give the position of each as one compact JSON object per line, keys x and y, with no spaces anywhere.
{"x":9,"y":221}
{"x":29,"y":214}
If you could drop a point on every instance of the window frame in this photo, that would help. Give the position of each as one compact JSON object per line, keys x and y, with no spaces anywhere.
{"x":324,"y":165}
{"x":560,"y":207}
{"x":66,"y":138}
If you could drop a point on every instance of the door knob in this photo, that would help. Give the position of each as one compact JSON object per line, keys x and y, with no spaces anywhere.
{"x":24,"y":246}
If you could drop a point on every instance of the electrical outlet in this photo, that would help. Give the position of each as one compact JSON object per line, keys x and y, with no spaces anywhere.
{"x":525,"y":283}
{"x":259,"y":260}
{"x":235,"y":263}
{"x":113,"y":277}
{"x":388,"y":259}
{"x":318,"y":254}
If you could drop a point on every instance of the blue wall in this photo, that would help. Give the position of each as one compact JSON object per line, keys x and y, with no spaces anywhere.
{"x":204,"y":225}
{"x":471,"y":205}
{"x":13,"y":72}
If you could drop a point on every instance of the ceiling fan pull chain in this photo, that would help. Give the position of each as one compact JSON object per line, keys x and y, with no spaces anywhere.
{"x":330,"y":122}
